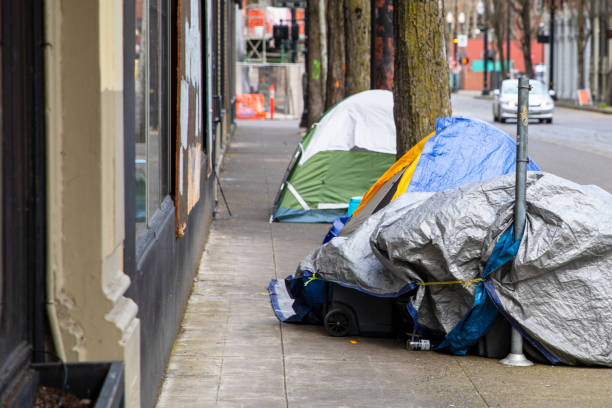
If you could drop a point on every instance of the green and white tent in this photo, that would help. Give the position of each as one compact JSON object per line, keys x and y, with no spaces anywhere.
{"x":341,"y":156}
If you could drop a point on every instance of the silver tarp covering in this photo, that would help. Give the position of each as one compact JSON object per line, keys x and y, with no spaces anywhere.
{"x":559,"y":288}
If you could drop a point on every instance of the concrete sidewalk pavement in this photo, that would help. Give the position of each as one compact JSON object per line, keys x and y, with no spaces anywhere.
{"x":232,"y":351}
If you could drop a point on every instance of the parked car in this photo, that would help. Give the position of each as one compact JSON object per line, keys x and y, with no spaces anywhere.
{"x":541,"y":105}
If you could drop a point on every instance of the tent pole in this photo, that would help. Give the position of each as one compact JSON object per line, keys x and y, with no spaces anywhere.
{"x":516,"y":356}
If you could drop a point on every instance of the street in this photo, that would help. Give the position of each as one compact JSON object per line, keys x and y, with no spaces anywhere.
{"x":576,"y":146}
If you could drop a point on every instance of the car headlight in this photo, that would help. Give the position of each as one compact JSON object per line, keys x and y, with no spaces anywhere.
{"x":509,"y":104}
{"x":546,"y":105}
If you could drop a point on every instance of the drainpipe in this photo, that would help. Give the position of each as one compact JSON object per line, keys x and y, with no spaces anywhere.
{"x":516,"y":356}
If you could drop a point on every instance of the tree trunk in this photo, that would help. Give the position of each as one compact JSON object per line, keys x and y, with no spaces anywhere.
{"x":324,"y":52}
{"x":335,"y":53}
{"x":525,"y":15}
{"x":498,"y":21}
{"x":315,"y":82}
{"x":357,"y":36}
{"x":383,"y":50}
{"x":606,"y":19}
{"x":421,"y":88}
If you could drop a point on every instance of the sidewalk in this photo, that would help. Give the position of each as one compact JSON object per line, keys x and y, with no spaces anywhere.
{"x":232,"y":351}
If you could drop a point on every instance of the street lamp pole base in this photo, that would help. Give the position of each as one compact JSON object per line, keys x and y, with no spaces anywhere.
{"x":516,"y":360}
{"x":485,"y":91}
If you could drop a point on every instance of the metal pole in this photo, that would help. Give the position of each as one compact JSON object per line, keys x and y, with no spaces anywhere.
{"x":304,"y":118}
{"x":509,"y":12}
{"x":294,"y":53}
{"x":551,"y":38}
{"x":516,"y":356}
{"x":485,"y":86}
{"x":455,"y":85}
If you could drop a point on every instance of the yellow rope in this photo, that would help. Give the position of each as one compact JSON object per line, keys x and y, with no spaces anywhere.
{"x":312,"y":278}
{"x":465,"y":283}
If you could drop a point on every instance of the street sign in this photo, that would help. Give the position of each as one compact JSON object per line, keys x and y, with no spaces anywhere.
{"x":462,"y":40}
{"x":584,"y":97}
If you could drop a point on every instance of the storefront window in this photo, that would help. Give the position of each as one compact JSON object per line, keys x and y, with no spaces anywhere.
{"x":152,"y":114}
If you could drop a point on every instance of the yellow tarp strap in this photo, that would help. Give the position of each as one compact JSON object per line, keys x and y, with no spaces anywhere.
{"x":406,"y":160}
{"x":465,"y":283}
{"x":312,"y":278}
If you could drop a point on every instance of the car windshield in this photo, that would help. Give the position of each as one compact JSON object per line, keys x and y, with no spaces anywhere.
{"x":511,"y":87}
{"x":537,"y":87}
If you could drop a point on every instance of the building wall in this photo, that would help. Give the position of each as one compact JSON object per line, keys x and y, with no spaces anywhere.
{"x":566,"y":58}
{"x":472,"y":80}
{"x":114,"y":294}
{"x":90,"y":317}
{"x":165,"y":263}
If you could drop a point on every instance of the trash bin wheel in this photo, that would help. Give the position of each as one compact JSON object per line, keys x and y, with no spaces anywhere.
{"x":338,"y":322}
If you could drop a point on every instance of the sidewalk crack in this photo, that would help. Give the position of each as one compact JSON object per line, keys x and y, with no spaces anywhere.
{"x":473,"y":385}
{"x":280,"y":325}
{"x":222,"y":362}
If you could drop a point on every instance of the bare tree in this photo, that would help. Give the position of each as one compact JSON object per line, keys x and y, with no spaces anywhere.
{"x":497,"y":19}
{"x":357,"y":27}
{"x":525,"y":24}
{"x":314,"y":66}
{"x":421,"y":88}
{"x":336,"y":64}
{"x":606,"y":19}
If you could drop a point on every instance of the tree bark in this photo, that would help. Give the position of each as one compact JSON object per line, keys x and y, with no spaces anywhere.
{"x":383,"y":50}
{"x":315,"y":82}
{"x":421,"y":88}
{"x":523,"y":9}
{"x":498,"y":21}
{"x":335,"y":53}
{"x":357,"y":23}
{"x":525,"y":25}
{"x":324,"y":52}
{"x":606,"y":19}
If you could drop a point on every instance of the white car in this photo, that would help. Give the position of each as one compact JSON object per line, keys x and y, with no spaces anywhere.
{"x":541,"y":105}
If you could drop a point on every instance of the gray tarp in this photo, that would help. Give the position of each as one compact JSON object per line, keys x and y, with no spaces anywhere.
{"x":559,"y":288}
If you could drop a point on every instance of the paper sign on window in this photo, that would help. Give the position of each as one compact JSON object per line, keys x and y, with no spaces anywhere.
{"x":189,"y":122}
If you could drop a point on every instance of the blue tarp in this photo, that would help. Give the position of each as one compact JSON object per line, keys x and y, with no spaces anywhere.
{"x":464,"y":151}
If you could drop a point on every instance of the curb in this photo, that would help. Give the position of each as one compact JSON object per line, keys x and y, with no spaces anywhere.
{"x":484,"y":97}
{"x":606,"y":111}
{"x":568,"y":105}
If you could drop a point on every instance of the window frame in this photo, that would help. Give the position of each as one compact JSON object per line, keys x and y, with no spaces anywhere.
{"x":156,"y":214}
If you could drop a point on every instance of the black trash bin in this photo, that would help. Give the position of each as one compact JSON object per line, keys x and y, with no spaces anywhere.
{"x":349,"y":311}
